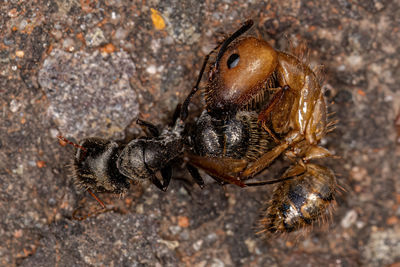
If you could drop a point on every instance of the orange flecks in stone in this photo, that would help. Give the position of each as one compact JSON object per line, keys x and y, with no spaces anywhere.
{"x":392,"y":220}
{"x":108,"y":48}
{"x":13,"y":13}
{"x":289,"y":244}
{"x":86,"y":5}
{"x":14,"y":29}
{"x":19,"y":53}
{"x":183,"y":221}
{"x":28,"y":28}
{"x":40,"y":163}
{"x":64,"y":205}
{"x":157,"y":19}
{"x":18,"y":233}
{"x":23,"y":120}
{"x":81,"y":38}
{"x":360,"y":92}
{"x":62,"y":142}
{"x":128,"y":201}
{"x":145,"y":115}
{"x":50,"y":49}
{"x":312,"y":28}
{"x":102,"y":22}
{"x":357,"y":188}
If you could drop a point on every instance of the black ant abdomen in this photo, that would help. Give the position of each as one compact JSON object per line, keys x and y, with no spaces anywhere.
{"x":94,"y":166}
{"x":102,"y":165}
{"x":236,"y":137}
{"x":301,"y":201}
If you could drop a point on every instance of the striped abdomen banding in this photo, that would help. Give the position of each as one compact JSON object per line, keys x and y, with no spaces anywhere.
{"x":300,"y":201}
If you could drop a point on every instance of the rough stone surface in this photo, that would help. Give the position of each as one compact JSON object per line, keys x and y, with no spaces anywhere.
{"x":355,"y":41}
{"x":89,"y":94}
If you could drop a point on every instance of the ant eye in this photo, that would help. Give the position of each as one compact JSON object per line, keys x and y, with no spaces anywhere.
{"x":233,"y":61}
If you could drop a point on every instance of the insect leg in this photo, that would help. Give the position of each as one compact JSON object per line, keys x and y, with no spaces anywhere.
{"x":263,"y":162}
{"x":176,"y":114}
{"x":96,"y":198}
{"x":290,"y":173}
{"x":184,"y":109}
{"x":157,"y":183}
{"x":166,"y":174}
{"x":220,"y":168}
{"x":148,"y":125}
{"x":263,"y":116}
{"x":194,"y":172}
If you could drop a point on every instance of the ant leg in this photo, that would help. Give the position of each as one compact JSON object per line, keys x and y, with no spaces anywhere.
{"x":176,"y":115}
{"x":264,"y":161}
{"x":194,"y":172}
{"x":184,"y":108}
{"x":151,"y":127}
{"x":90,"y":214}
{"x":96,"y":198}
{"x":274,"y":101}
{"x":157,"y":183}
{"x":263,"y":116}
{"x":220,"y":168}
{"x":268,"y":182}
{"x":199,"y":180}
{"x":290,"y":173}
{"x":103,"y":208}
{"x":219,"y":180}
{"x":166,"y":174}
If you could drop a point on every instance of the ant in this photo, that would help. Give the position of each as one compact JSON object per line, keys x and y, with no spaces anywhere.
{"x":260,"y":103}
{"x":102,"y":165}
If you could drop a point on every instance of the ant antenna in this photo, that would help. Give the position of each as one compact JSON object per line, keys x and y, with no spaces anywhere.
{"x":246,"y":26}
{"x":62,"y":138}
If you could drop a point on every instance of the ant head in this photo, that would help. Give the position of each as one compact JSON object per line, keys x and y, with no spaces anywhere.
{"x":241,"y":69}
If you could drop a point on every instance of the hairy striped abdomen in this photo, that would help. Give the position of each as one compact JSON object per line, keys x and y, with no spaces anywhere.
{"x":238,"y":137}
{"x":300,"y":201}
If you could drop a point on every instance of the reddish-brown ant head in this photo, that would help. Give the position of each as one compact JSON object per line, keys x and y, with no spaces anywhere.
{"x":239,"y":74}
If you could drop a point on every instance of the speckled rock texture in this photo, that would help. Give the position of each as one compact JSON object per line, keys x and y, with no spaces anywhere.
{"x":97,"y":85}
{"x":83,"y":68}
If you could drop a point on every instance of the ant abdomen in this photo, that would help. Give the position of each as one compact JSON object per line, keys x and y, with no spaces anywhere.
{"x":94,"y":166}
{"x":301,"y":201}
{"x":237,"y":137}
